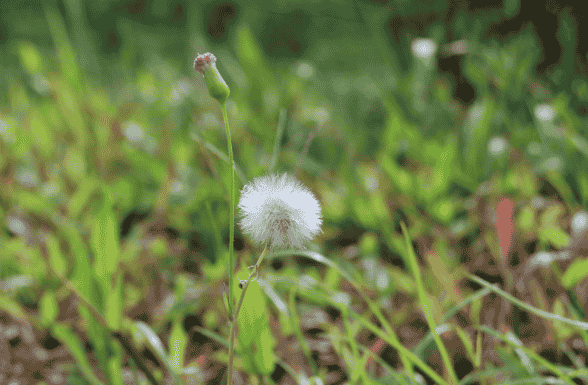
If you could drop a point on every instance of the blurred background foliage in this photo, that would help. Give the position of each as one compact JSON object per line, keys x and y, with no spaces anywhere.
{"x":114,"y":171}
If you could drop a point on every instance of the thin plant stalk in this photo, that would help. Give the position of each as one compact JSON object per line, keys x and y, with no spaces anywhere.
{"x":232,"y":204}
{"x":234,"y":318}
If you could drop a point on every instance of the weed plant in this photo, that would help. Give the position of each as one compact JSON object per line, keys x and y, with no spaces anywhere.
{"x":402,"y":198}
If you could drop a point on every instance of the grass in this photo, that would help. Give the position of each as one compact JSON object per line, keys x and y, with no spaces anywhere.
{"x":453,"y":195}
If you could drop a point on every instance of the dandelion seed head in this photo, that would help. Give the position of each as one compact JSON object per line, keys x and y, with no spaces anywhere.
{"x":280,"y":211}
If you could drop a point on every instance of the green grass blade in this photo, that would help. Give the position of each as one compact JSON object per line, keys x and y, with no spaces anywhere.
{"x":419,"y":349}
{"x":221,"y":155}
{"x":373,"y":307}
{"x":278,"y":141}
{"x":156,"y":344}
{"x":425,"y":304}
{"x":74,"y":346}
{"x":553,"y":368}
{"x":526,"y":306}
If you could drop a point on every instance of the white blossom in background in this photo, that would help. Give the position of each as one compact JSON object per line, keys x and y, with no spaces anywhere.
{"x":279,"y":211}
{"x":579,"y":222}
{"x":27,"y":178}
{"x":132,"y":132}
{"x":423,"y":48}
{"x":544,"y":112}
{"x":305,"y":70}
{"x":497,"y":145}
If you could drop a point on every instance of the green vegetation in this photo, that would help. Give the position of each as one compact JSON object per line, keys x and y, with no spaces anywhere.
{"x":446,"y":145}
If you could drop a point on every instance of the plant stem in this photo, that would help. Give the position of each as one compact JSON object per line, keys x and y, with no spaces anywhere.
{"x":234,"y":321}
{"x":232,"y":204}
{"x":231,"y":239}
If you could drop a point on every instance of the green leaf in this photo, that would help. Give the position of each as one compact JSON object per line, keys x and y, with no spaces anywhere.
{"x":114,"y":309}
{"x":74,"y":346}
{"x":252,"y":311}
{"x":476,"y":131}
{"x":41,"y":134}
{"x":556,"y":236}
{"x":105,"y":243}
{"x":79,"y":200}
{"x":467,"y":343}
{"x":58,"y":263}
{"x":526,"y":219}
{"x":48,"y":308}
{"x":155,"y":343}
{"x":114,"y":364}
{"x":178,"y":341}
{"x":401,"y":178}
{"x":575,"y":273}
{"x":152,"y":339}
{"x":66,"y":53}
{"x":12,"y":307}
{"x":562,"y":331}
{"x":30,"y":58}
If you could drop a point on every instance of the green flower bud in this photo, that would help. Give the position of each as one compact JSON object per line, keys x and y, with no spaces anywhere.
{"x":217,"y":88}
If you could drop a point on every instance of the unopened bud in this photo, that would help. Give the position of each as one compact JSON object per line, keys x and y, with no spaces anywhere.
{"x":206,"y":65}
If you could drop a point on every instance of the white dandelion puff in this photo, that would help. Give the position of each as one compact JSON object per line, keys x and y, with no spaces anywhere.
{"x":279,"y":211}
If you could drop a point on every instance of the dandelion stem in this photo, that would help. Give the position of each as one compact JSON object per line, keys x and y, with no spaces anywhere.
{"x":232,"y":204}
{"x":231,"y":241}
{"x":234,"y":321}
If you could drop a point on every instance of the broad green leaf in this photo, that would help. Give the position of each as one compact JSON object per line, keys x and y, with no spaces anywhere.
{"x":256,"y":343}
{"x":252,"y":311}
{"x":264,"y":355}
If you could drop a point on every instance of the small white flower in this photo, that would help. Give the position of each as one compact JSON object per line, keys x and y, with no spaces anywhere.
{"x":544,"y":112}
{"x":423,"y":48}
{"x":280,"y":211}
